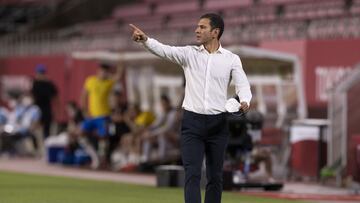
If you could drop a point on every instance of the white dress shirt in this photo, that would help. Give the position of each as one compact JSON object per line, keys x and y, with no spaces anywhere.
{"x":207,"y":75}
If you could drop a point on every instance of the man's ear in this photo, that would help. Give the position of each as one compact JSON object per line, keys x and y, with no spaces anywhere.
{"x":216,"y":32}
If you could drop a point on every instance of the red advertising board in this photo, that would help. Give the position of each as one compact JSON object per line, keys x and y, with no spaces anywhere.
{"x":324,"y":62}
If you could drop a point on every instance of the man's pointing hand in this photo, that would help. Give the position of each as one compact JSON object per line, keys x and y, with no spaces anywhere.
{"x":138,"y":35}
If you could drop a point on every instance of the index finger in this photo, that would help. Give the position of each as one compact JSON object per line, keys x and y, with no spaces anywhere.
{"x":134,"y":27}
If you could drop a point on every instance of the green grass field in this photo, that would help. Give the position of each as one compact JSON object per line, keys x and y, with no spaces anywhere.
{"x":21,"y":188}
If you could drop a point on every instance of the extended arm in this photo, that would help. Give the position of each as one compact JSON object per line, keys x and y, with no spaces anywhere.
{"x":172,"y":53}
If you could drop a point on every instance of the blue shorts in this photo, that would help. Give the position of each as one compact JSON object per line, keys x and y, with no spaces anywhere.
{"x":98,"y":125}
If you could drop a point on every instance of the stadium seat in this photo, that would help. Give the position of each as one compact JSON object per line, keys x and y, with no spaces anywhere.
{"x":100,"y":27}
{"x":154,"y":20}
{"x":252,"y":14}
{"x":225,"y":4}
{"x":355,"y":9}
{"x":177,"y":7}
{"x":280,"y":1}
{"x":185,"y":20}
{"x":159,"y":1}
{"x":311,"y":10}
{"x":139,"y":9}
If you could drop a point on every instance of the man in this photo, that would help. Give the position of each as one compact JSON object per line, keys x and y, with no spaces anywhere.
{"x":95,"y":102}
{"x":44,"y":93}
{"x":208,"y":69}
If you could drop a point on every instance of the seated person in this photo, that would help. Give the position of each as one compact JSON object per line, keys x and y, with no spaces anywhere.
{"x":127,"y":153}
{"x":245,"y":136}
{"x":22,"y":122}
{"x":163,"y":133}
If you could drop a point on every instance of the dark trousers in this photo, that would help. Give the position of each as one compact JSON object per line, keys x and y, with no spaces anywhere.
{"x":8,"y":141}
{"x":203,"y":135}
{"x":46,"y":125}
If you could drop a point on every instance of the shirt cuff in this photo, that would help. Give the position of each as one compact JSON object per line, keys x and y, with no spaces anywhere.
{"x":245,"y":100}
{"x":147,"y":43}
{"x":248,"y":103}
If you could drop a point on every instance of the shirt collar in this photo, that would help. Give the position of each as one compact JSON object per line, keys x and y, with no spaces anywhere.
{"x":220,"y":49}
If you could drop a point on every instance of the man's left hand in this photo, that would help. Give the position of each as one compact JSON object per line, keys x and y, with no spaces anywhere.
{"x":244,"y":106}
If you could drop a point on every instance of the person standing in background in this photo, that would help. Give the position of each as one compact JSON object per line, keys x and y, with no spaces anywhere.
{"x":44,"y":92}
{"x":95,"y":104}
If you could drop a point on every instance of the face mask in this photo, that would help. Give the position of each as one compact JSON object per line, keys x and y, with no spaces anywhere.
{"x":71,"y":112}
{"x":12,"y":103}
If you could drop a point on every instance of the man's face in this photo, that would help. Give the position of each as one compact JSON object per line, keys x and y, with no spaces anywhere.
{"x":165,"y":105}
{"x":203,"y":31}
{"x":102,"y":73}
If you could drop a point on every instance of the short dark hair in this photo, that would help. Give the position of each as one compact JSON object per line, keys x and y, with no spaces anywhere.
{"x":165,"y":98}
{"x":105,"y":66}
{"x":216,"y":21}
{"x":15,"y":93}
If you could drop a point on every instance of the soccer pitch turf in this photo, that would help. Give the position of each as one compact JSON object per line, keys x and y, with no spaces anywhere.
{"x":23,"y":188}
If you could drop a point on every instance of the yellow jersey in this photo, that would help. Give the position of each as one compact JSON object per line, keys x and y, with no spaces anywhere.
{"x":98,"y":95}
{"x":145,"y":119}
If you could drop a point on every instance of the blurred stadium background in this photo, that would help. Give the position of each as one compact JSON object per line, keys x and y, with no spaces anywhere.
{"x":301,"y":56}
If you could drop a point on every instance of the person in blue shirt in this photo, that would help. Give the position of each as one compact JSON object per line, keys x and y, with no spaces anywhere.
{"x":22,"y":122}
